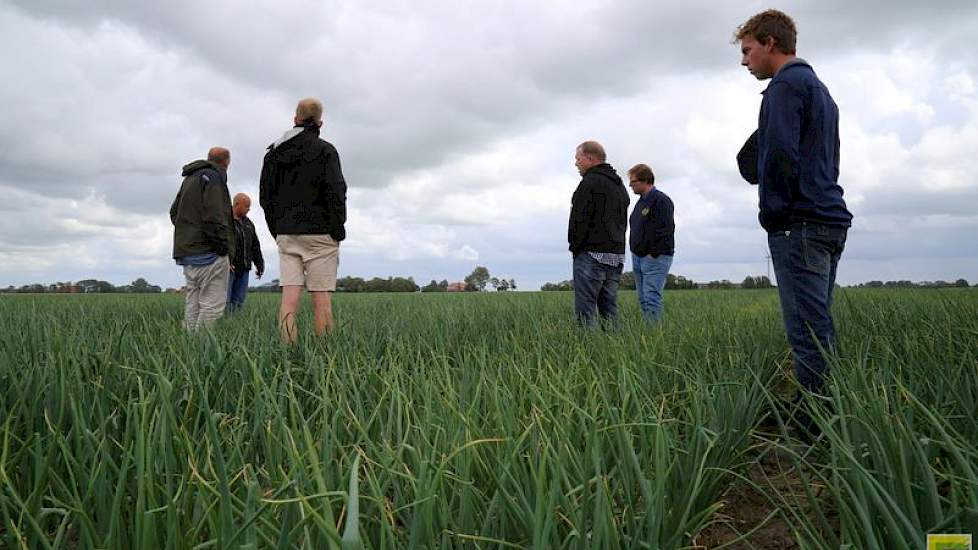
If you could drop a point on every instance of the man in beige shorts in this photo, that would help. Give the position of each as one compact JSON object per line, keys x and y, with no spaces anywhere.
{"x":303,"y":194}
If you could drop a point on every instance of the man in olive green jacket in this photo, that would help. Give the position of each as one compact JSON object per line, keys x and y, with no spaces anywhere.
{"x":203,"y":237}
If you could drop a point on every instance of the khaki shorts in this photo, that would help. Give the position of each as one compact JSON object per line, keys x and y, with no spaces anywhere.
{"x":309,"y":260}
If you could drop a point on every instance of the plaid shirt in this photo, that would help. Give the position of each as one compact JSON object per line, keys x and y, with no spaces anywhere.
{"x":609,"y":258}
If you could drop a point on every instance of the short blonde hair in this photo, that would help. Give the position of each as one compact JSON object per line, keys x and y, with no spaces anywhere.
{"x":593,"y":149}
{"x":767,"y":25}
{"x":309,"y":108}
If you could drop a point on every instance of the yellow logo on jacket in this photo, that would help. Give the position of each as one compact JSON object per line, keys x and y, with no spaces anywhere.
{"x":645,"y":211}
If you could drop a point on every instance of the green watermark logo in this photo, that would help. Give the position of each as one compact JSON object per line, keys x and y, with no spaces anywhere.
{"x":949,"y":542}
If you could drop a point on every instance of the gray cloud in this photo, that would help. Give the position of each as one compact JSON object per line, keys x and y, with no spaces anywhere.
{"x":456,"y":123}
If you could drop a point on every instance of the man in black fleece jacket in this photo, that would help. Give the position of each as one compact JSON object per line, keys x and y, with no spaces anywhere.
{"x":596,"y":235}
{"x":303,"y":194}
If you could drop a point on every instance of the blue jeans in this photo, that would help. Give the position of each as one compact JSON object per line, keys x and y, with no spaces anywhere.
{"x":805,"y":262}
{"x":237,"y":290}
{"x":595,"y":287}
{"x":650,"y":279}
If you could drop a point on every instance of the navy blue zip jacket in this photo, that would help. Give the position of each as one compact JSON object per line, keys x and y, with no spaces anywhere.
{"x":798,"y":152}
{"x":652,"y":226}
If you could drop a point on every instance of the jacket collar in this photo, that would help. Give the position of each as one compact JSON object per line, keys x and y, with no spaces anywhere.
{"x":793,"y":62}
{"x":650,"y":196}
{"x":287,"y":136}
{"x":790,"y":62}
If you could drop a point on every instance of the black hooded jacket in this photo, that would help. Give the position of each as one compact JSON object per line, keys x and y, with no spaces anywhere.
{"x":247,"y":250}
{"x":302,"y":189}
{"x":599,"y":213}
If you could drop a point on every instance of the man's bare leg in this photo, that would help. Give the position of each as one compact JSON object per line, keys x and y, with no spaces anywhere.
{"x":288,"y":329}
{"x":322,"y":311}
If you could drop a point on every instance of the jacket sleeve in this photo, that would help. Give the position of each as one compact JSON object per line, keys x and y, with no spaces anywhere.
{"x":175,"y":206}
{"x":215,"y":217}
{"x":582,"y":206}
{"x":641,"y":236}
{"x":646,"y":230}
{"x":336,"y":194}
{"x":266,"y":193}
{"x":747,"y":159}
{"x":665,"y":225}
{"x":256,"y":256}
{"x":781,"y":160}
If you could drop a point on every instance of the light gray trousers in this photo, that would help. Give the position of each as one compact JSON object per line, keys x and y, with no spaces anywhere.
{"x":206,"y":293}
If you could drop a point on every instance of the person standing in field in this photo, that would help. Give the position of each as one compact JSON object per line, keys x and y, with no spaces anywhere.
{"x":246,"y":252}
{"x":795,"y":157}
{"x":652,"y":240}
{"x":203,"y":236}
{"x":303,"y":194}
{"x":596,"y":235}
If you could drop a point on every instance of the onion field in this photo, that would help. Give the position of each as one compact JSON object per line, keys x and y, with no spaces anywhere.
{"x":482,"y":420}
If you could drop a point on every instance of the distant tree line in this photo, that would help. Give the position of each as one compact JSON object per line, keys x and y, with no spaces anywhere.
{"x":376,"y":284}
{"x":562,"y":285}
{"x":435,"y":286}
{"x":678,"y":282}
{"x":87,"y":286}
{"x":476,"y":281}
{"x":960,"y":283}
{"x":760,"y":281}
{"x":673,"y":282}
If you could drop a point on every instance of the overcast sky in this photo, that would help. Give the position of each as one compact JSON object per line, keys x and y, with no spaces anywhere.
{"x":457,"y":122}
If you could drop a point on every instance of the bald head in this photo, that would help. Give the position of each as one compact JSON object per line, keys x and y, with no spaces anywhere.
{"x":219,"y":156}
{"x":241,"y":205}
{"x":309,"y":109}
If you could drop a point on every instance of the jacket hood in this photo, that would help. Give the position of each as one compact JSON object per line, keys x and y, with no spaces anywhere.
{"x":286,"y":137}
{"x":291,"y":133}
{"x":198,"y":165}
{"x":604,"y":169}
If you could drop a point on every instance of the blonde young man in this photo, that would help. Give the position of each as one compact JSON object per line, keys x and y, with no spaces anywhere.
{"x":303,"y":194}
{"x":793,"y":158}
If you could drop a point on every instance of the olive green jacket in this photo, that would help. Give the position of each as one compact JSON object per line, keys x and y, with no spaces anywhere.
{"x":201,"y":212}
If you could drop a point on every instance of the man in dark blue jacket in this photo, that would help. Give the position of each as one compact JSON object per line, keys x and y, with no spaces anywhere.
{"x":794,"y":159}
{"x":652,"y":240}
{"x":596,"y":235}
